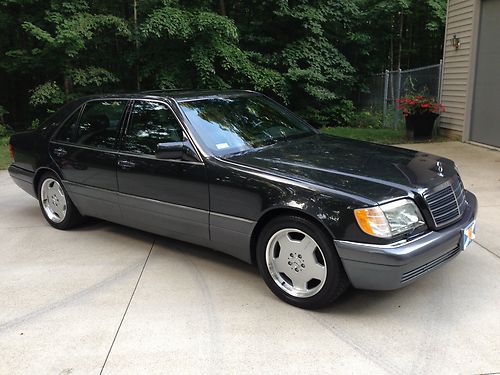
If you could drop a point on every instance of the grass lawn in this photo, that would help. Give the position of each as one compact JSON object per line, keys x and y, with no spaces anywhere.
{"x":385,"y":136}
{"x":4,"y":153}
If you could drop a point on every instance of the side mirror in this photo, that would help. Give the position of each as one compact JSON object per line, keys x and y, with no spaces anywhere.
{"x":176,"y":151}
{"x":170,"y":150}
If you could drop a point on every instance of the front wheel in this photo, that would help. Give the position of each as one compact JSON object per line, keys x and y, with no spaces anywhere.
{"x":56,"y":206}
{"x":299,"y":263}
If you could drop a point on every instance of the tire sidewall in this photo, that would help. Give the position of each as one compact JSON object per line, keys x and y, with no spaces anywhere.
{"x":335,"y":272}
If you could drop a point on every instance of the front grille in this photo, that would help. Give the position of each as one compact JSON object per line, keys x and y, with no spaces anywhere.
{"x":407,"y":276}
{"x":447,"y":204}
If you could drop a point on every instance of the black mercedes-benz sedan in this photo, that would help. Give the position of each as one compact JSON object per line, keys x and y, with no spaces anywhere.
{"x":236,"y":172}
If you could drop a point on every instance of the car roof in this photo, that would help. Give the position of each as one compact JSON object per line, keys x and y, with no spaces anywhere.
{"x":176,"y":95}
{"x":197,"y":94}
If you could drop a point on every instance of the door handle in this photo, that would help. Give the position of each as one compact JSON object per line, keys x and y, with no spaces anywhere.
{"x":126,"y":164}
{"x":60,"y":152}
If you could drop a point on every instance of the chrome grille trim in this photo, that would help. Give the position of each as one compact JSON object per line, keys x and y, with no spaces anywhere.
{"x":447,"y":203}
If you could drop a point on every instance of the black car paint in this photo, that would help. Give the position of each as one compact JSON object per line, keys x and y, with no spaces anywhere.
{"x":222,"y":202}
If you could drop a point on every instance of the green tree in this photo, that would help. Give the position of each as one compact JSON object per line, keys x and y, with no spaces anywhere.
{"x":193,"y":47}
{"x":309,"y":54}
{"x":303,"y":41}
{"x":56,"y":49}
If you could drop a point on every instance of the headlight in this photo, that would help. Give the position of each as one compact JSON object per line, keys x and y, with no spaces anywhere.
{"x":389,"y":219}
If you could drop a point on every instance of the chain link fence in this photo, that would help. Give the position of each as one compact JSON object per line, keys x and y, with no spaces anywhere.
{"x":382,"y":90}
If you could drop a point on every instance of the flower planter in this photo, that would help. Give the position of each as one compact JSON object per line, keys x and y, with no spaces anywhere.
{"x":420,"y":125}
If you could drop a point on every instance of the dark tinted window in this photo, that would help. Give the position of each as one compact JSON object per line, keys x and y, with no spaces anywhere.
{"x":98,"y":125}
{"x":58,"y":117}
{"x":67,"y":133}
{"x":151,"y":123}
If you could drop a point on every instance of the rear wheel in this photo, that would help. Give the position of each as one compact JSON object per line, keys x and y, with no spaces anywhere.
{"x":56,"y":206}
{"x":299,"y":263}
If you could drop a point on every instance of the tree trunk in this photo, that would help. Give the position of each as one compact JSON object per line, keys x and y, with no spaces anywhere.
{"x":68,"y":85}
{"x":409,"y":33}
{"x":136,"y":41}
{"x":391,"y":52}
{"x":222,"y":8}
{"x":400,"y":47}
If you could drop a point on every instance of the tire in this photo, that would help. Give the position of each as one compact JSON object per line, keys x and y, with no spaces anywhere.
{"x":57,"y":208}
{"x":299,"y":263}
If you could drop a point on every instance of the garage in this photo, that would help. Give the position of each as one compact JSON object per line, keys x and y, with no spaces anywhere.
{"x":485,"y":127}
{"x":471,"y":80}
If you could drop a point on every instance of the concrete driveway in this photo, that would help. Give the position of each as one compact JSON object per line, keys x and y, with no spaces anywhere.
{"x":112,"y":299}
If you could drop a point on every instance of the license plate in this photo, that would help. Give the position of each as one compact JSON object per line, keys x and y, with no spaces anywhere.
{"x":468,"y":234}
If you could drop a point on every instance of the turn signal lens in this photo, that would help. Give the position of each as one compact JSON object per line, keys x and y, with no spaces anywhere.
{"x":389,"y":219}
{"x":373,"y":222}
{"x":11,"y":151}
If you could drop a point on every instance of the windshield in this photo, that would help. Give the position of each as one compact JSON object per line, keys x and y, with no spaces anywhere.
{"x":231,"y":125}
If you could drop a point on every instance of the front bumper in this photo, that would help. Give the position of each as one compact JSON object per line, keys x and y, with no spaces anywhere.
{"x":385,"y":267}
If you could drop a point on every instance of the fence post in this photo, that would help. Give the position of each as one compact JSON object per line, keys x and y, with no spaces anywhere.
{"x":386,"y":92}
{"x":440,"y":82}
{"x":398,"y":95}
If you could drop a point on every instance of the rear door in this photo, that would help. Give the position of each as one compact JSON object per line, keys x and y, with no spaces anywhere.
{"x":168,"y":197}
{"x":85,"y":150}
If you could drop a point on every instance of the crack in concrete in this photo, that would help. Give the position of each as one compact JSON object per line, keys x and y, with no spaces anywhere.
{"x":485,"y":248}
{"x":128,"y":305}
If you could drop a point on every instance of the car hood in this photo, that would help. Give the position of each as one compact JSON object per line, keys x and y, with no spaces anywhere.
{"x":369,"y":170}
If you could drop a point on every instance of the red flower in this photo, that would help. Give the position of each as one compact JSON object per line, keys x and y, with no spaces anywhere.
{"x":417,"y":104}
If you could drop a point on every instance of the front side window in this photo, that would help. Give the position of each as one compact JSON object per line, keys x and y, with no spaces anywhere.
{"x":151,"y":123}
{"x":98,"y":126}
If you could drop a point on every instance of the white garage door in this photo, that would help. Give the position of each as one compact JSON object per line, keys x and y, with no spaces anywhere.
{"x":485,"y":125}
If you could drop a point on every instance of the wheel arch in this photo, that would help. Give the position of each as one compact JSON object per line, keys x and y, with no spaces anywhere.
{"x":38,"y":174}
{"x":281,"y":212}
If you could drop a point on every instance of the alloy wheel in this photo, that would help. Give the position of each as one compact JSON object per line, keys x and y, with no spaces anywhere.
{"x":53,"y":200}
{"x":296,"y":263}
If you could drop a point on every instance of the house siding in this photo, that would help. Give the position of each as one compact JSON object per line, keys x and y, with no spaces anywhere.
{"x":456,"y":65}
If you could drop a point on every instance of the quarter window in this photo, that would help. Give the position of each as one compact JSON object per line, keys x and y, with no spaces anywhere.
{"x":151,"y":123}
{"x":68,"y":131}
{"x":98,"y":125}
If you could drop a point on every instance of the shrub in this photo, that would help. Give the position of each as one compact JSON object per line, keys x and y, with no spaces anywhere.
{"x":5,"y":131}
{"x":367,"y":119}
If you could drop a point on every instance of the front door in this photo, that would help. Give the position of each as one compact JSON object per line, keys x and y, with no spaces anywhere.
{"x":168,"y":197}
{"x":85,"y":150}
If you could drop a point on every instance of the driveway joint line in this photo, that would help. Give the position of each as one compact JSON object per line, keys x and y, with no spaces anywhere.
{"x":128,"y":305}
{"x":488,"y":250}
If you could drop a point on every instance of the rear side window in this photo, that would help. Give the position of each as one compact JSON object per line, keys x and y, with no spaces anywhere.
{"x":151,"y":123}
{"x":98,"y":126}
{"x":69,"y":128}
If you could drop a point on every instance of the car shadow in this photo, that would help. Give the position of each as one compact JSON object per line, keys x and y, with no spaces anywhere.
{"x":169,"y":244}
{"x":353,"y":302}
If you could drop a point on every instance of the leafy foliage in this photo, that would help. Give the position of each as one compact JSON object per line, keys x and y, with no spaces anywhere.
{"x":92,"y":76}
{"x":309,"y":54}
{"x":47,"y":94}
